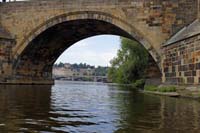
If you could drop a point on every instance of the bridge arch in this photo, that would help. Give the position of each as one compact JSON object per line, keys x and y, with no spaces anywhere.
{"x":94,"y":15}
{"x":38,"y":51}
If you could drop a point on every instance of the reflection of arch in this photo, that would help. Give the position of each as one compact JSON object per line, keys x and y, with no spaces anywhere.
{"x":133,"y":32}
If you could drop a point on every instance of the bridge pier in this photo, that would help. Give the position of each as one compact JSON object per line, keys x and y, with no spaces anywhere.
{"x":28,"y":82}
{"x":8,"y":75}
{"x":6,"y":45}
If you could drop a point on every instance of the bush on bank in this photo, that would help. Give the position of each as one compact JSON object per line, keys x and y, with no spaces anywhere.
{"x":138,"y":84}
{"x":129,"y":66}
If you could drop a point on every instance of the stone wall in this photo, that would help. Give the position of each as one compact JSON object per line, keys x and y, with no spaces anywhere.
{"x":181,"y":62}
{"x":153,"y":73}
{"x":150,"y":22}
{"x":6,"y":46}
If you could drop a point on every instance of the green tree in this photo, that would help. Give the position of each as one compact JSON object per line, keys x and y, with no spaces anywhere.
{"x":101,"y":71}
{"x":60,"y":64}
{"x":130,"y":63}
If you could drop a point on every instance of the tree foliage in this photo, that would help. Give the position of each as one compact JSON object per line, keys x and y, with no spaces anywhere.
{"x":101,"y":71}
{"x":130,"y":63}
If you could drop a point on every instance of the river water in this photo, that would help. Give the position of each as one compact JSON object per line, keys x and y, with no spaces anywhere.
{"x":77,"y":107}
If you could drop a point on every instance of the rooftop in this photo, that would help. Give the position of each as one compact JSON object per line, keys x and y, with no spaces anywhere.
{"x":186,"y":32}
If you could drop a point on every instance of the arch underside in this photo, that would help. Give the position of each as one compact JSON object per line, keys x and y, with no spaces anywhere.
{"x":37,"y":59}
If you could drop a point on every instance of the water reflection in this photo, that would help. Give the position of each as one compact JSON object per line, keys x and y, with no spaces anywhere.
{"x":81,"y":107}
{"x":138,"y":112}
{"x":22,"y":106}
{"x":149,"y":113}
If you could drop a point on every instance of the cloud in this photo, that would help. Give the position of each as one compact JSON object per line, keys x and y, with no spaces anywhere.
{"x":81,"y":44}
{"x":96,"y":51}
{"x":88,"y":56}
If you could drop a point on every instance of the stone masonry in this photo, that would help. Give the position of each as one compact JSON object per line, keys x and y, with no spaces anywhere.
{"x":40,"y":30}
{"x":181,"y":61}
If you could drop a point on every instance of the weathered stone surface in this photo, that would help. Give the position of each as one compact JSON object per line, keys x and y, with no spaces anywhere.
{"x":4,"y":34}
{"x":181,"y":61}
{"x":6,"y":46}
{"x":43,"y":29}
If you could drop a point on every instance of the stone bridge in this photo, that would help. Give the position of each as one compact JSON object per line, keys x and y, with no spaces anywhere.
{"x":34,"y":33}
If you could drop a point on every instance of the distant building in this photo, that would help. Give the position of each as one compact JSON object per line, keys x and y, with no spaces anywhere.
{"x":67,"y":65}
{"x":80,"y":72}
{"x":86,"y":72}
{"x":67,"y":70}
{"x":62,"y":72}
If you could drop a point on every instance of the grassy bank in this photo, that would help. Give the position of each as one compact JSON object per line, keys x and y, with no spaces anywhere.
{"x":170,"y":91}
{"x":160,"y":89}
{"x":192,"y":92}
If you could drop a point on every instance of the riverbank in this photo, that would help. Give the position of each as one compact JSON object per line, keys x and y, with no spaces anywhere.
{"x":178,"y":91}
{"x":170,"y":94}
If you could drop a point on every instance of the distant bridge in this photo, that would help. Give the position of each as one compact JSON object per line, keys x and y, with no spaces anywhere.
{"x":83,"y":78}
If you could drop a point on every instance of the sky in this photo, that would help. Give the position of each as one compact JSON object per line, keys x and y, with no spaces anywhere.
{"x":97,"y":51}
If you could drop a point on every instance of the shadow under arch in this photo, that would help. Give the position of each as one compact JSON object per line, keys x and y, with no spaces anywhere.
{"x":34,"y":58}
{"x":94,"y":15}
